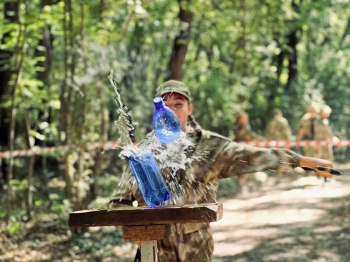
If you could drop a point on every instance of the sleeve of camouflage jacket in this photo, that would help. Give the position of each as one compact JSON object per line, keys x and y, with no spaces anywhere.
{"x":237,"y":159}
{"x":222,"y":158}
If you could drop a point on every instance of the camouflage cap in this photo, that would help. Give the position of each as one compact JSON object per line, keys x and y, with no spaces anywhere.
{"x":174,"y":86}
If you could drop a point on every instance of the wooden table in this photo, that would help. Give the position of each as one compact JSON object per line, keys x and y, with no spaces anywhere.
{"x":147,"y":225}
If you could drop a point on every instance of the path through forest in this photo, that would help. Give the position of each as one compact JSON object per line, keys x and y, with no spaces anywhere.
{"x":297,"y":219}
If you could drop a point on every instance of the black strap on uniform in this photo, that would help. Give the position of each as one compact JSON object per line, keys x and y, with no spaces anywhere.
{"x":312,"y":128}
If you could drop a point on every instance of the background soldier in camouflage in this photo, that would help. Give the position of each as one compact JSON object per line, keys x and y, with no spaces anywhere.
{"x":324,"y":134}
{"x":242,"y":131}
{"x":309,"y":123}
{"x":278,"y":128}
{"x":212,"y":157}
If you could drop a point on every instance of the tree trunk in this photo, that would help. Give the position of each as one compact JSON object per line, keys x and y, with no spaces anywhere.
{"x":292,"y":39}
{"x":65,"y":97}
{"x":6,"y":91}
{"x":9,"y":174}
{"x":346,"y":32}
{"x":180,"y":43}
{"x":292,"y":60}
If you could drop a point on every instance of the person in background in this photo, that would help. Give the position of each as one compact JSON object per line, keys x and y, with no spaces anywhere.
{"x":309,"y":123}
{"x":211,"y":157}
{"x":278,"y":129}
{"x":242,"y":131}
{"x":324,"y":134}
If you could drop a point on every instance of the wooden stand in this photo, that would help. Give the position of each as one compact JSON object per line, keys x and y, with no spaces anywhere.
{"x":147,"y":225}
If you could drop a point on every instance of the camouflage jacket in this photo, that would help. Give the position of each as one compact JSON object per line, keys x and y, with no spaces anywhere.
{"x":278,"y":129}
{"x":211,"y":157}
{"x":305,"y":125}
{"x":323,"y":131}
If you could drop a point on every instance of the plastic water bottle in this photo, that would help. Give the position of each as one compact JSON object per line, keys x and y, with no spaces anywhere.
{"x":166,"y":124}
{"x":151,"y":183}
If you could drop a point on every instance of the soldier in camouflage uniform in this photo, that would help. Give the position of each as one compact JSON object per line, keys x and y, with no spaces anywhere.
{"x":278,"y":128}
{"x":242,"y":131}
{"x":309,"y":124}
{"x":212,"y":157}
{"x":324,"y":134}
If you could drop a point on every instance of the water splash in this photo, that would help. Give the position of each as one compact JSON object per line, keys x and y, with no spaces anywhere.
{"x":171,"y":155}
{"x":174,"y":159}
{"x":124,"y":122}
{"x":124,"y":140}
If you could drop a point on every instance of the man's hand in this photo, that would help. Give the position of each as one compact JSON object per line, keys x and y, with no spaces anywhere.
{"x":320,"y":166}
{"x":323,"y":171}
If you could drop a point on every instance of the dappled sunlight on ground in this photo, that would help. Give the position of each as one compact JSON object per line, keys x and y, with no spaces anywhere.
{"x":294,"y":220}
{"x":291,"y":218}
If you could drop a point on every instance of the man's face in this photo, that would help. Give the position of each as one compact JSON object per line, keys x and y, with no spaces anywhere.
{"x":312,"y":111}
{"x":243,"y":120}
{"x":180,"y":106}
{"x":324,"y":115}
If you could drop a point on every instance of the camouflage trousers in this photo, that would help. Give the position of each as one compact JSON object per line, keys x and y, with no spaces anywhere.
{"x":193,"y":247}
{"x":311,"y":151}
{"x":325,"y":152}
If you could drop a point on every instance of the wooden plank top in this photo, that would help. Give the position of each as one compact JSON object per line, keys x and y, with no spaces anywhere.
{"x":197,"y":213}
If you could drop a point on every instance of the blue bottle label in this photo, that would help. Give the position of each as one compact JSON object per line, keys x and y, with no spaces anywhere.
{"x":166,"y":124}
{"x":151,"y":183}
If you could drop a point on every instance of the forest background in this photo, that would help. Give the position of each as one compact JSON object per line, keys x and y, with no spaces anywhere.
{"x":56,"y":56}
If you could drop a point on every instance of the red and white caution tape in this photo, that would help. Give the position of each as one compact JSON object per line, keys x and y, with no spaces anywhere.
{"x":112,"y":145}
{"x":55,"y":150}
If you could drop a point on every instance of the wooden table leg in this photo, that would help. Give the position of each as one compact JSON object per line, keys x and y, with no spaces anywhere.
{"x":147,"y":235}
{"x":149,"y":251}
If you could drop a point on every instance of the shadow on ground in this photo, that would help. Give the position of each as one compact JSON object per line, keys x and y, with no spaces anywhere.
{"x":297,"y":219}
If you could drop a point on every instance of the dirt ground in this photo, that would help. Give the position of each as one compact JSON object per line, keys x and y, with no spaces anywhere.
{"x":293,"y":218}
{"x":299,"y":218}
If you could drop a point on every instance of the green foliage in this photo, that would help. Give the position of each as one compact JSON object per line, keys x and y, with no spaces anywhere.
{"x":60,"y":207}
{"x":239,"y":57}
{"x":14,"y":227}
{"x":15,"y":224}
{"x":19,"y":185}
{"x":228,"y":187}
{"x":89,"y":243}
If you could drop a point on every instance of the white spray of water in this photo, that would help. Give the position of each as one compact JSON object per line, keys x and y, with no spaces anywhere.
{"x":172,"y":158}
{"x":123,"y":123}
